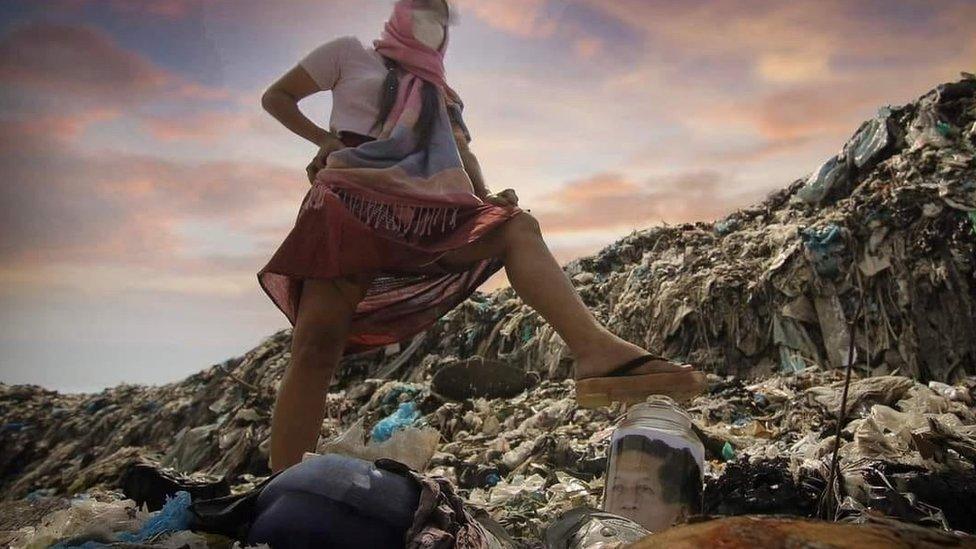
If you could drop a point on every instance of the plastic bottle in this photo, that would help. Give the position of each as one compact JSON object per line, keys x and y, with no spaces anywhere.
{"x":655,"y":469}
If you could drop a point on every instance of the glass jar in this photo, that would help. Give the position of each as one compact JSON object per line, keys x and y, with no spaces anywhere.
{"x":655,"y":467}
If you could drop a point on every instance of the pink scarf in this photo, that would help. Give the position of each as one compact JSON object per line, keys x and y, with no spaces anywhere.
{"x":421,"y":63}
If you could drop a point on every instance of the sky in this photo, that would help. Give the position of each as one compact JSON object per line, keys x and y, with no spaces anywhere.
{"x":143,"y":186}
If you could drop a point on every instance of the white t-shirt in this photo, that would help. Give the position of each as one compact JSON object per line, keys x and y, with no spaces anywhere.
{"x":355,"y":75}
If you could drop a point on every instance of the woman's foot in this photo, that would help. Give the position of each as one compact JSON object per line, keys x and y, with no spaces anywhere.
{"x":596,"y":386}
{"x":600,"y":359}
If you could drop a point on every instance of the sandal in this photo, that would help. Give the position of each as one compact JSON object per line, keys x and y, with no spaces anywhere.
{"x":593,"y":392}
{"x":476,"y":377}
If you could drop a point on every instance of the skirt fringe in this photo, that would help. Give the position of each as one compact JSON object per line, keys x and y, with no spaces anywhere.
{"x":400,"y":218}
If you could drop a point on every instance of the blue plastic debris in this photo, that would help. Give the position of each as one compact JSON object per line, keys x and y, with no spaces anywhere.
{"x":823,"y":180}
{"x":742,"y":421}
{"x":471,"y":337}
{"x":726,"y":226}
{"x":404,"y":417}
{"x":492,"y":479}
{"x":173,"y":517}
{"x":872,"y":140}
{"x":821,"y":238}
{"x":791,"y":361}
{"x":40,"y":493}
{"x":393,"y":396}
{"x":825,"y":245}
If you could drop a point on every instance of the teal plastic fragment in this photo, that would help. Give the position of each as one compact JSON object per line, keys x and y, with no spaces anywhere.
{"x":728,"y":453}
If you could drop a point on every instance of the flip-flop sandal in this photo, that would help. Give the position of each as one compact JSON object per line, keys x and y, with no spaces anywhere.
{"x":480,"y":377}
{"x":619,"y":386}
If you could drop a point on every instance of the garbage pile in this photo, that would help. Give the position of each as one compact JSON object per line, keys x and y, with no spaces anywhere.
{"x":876,"y":247}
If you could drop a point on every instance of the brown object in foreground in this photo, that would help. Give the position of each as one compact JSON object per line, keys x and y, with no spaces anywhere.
{"x":747,"y":532}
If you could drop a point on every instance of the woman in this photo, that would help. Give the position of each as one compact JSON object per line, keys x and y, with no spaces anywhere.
{"x":399,"y":228}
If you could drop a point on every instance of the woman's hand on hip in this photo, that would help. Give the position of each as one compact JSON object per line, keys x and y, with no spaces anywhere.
{"x":329,"y":144}
{"x":504,"y":198}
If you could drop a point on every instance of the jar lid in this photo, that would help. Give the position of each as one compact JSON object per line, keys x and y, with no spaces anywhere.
{"x":659,"y":406}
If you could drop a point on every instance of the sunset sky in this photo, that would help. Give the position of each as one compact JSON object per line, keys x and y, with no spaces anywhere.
{"x":143,"y":186}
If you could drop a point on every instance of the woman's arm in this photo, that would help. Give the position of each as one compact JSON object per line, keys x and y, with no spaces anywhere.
{"x":470,"y":162}
{"x":471,"y":166}
{"x":280,"y":100}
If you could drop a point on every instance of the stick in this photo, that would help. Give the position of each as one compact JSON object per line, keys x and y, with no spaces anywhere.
{"x":828,"y":494}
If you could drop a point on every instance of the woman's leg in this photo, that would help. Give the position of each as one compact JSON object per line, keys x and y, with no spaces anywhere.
{"x":542,"y":284}
{"x":317,"y":342}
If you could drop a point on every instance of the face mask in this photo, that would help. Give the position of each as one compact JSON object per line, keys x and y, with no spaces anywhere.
{"x":428,"y":27}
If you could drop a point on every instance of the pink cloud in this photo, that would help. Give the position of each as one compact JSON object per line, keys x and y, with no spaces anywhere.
{"x":71,"y":76}
{"x":206,"y":126}
{"x":57,"y":204}
{"x":587,"y":47}
{"x":61,"y":127}
{"x":77,"y":63}
{"x":170,"y":9}
{"x":805,"y":40}
{"x":166,"y":9}
{"x":609,"y":201}
{"x":525,"y":18}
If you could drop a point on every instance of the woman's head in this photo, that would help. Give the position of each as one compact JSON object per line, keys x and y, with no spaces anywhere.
{"x":430,"y":20}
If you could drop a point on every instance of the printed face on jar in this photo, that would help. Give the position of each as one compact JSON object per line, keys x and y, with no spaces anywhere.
{"x":652,"y":482}
{"x":635,"y":491}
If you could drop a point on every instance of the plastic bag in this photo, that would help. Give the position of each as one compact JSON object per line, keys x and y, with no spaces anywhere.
{"x":86,"y":518}
{"x":411,"y":446}
{"x":404,"y":417}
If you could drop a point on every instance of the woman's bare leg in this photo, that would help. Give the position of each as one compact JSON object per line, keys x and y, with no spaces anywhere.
{"x":317,"y":342}
{"x":542,"y":284}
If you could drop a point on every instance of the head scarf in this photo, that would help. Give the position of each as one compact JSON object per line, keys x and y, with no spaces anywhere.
{"x":391,"y":183}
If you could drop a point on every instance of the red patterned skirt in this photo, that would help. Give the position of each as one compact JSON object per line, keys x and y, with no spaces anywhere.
{"x":410,"y":290}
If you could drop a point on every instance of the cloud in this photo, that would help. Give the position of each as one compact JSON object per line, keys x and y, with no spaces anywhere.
{"x":29,"y":133}
{"x":738,"y":83}
{"x":526,"y":18}
{"x":77,"y":61}
{"x":204,"y":126}
{"x":801,"y":41}
{"x":170,"y":9}
{"x":59,"y":204}
{"x":587,"y":47}
{"x":76,"y":72}
{"x":609,"y":201}
{"x":798,"y":66}
{"x":164,"y":9}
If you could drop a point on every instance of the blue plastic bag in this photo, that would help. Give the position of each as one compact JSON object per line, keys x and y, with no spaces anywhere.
{"x":404,"y":417}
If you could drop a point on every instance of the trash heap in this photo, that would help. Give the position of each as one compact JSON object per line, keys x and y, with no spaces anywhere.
{"x":876,"y":247}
